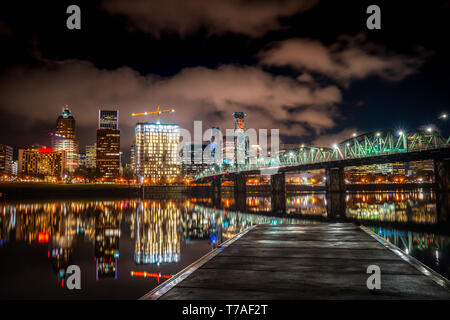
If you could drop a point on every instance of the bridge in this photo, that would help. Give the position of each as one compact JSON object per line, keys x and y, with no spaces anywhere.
{"x":370,"y":148}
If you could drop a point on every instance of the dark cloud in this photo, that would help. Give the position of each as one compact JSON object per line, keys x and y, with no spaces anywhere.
{"x":350,"y":58}
{"x":327,"y":140}
{"x":249,"y":17}
{"x":199,"y":93}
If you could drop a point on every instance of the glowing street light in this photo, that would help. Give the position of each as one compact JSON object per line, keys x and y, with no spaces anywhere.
{"x":429,"y":129}
{"x":444,"y":116}
{"x":400,"y":133}
{"x":354,"y":134}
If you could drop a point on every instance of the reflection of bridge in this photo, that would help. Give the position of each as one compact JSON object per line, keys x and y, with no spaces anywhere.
{"x":371,"y":148}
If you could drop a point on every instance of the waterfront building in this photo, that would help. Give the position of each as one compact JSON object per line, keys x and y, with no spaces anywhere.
{"x":40,"y":161}
{"x":156,"y":150}
{"x":6,"y":159}
{"x":108,"y":145}
{"x":228,"y":150}
{"x":64,"y":139}
{"x":133,"y":158}
{"x":14,"y":168}
{"x":108,"y":119}
{"x":417,"y":167}
{"x":82,"y":159}
{"x":241,"y":143}
{"x":91,"y":155}
{"x":192,"y":159}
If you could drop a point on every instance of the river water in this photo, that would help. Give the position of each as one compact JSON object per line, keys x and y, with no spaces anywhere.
{"x":125,"y":248}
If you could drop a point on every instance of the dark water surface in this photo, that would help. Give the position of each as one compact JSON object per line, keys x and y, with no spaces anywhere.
{"x":125,"y":248}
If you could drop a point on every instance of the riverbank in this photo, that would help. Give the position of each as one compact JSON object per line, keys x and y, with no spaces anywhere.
{"x":37,"y":190}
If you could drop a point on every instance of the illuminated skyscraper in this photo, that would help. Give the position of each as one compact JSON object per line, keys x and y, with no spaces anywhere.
{"x":133,"y":158}
{"x":41,"y":161}
{"x":108,"y":119}
{"x":192,"y":160}
{"x":108,"y":144}
{"x":65,"y":124}
{"x":157,"y":150}
{"x":64,"y":139}
{"x":6,"y":159}
{"x":240,"y":139}
{"x":91,"y":155}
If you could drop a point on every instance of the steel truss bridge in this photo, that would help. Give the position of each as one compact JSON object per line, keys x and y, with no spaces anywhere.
{"x":370,"y":148}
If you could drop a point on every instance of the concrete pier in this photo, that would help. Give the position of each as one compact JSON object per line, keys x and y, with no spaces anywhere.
{"x":320,"y":261}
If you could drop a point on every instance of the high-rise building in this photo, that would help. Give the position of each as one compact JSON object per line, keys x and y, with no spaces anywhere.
{"x":157,"y":146}
{"x":41,"y":161}
{"x":108,"y":119}
{"x":133,"y":158}
{"x":65,"y":124}
{"x":14,"y":168}
{"x":241,"y":144}
{"x":82,"y":159}
{"x":192,"y":160}
{"x":417,"y":167}
{"x":64,"y":139}
{"x":108,"y":144}
{"x":91,"y":155}
{"x":228,"y":150}
{"x":6,"y":159}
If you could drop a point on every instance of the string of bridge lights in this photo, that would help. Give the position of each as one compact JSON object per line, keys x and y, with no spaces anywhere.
{"x":443,"y":116}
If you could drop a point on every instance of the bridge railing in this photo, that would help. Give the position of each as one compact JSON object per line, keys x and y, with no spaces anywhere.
{"x":294,"y":161}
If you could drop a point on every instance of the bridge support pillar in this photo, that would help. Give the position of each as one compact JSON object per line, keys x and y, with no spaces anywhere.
{"x":442,"y":174}
{"x":278,"y":183}
{"x":240,"y":184}
{"x":278,"y":200}
{"x":335,"y":180}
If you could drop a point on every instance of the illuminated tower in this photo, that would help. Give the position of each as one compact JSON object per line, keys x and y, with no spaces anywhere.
{"x":6,"y":159}
{"x":64,"y":139}
{"x":157,"y":150}
{"x":108,"y":144}
{"x":240,"y":139}
{"x":157,"y":147}
{"x":65,"y":124}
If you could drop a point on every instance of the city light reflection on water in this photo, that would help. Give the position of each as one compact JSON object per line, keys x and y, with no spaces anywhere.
{"x":124,"y":248}
{"x":127,"y":247}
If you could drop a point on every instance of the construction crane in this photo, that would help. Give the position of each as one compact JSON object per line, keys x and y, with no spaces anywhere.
{"x":158,"y":112}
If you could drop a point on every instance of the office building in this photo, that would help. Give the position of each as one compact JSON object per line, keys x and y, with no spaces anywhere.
{"x":241,"y":143}
{"x":108,"y":119}
{"x":40,"y":161}
{"x":91,"y":155}
{"x":82,"y":159}
{"x":157,"y":147}
{"x":6,"y":159}
{"x":64,"y":139}
{"x":108,"y":144}
{"x":192,"y":159}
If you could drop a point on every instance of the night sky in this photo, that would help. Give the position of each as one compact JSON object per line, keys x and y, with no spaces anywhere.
{"x":309,"y":68}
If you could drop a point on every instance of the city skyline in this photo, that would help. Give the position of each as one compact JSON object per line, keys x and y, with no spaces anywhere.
{"x":316,"y":82}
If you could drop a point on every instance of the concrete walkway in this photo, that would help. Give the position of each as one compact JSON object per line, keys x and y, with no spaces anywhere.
{"x":323,"y":261}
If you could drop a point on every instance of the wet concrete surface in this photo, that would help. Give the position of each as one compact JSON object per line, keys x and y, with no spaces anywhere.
{"x":324,"y":261}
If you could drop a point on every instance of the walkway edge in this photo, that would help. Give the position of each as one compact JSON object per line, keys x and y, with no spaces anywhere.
{"x":436,"y":277}
{"x":160,"y":290}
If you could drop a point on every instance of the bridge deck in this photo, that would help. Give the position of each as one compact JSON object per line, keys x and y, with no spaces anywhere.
{"x":322,"y":261}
